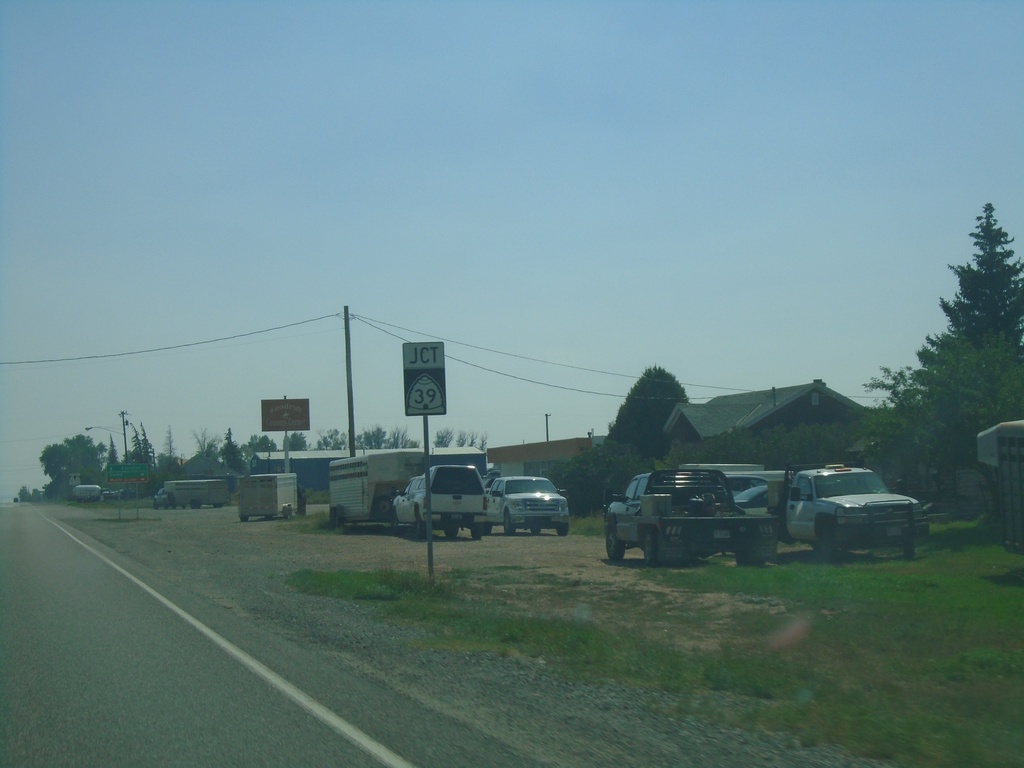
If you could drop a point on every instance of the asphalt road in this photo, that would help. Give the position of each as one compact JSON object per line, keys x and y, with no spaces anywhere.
{"x":101,"y":664}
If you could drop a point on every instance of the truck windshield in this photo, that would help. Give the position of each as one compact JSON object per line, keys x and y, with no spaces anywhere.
{"x":531,"y":485}
{"x":849,"y":484}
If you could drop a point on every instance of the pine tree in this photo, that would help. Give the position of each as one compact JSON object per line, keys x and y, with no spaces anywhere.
{"x":990,"y":299}
{"x":231,"y":454}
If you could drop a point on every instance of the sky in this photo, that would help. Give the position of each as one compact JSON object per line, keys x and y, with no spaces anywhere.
{"x":747,"y":194}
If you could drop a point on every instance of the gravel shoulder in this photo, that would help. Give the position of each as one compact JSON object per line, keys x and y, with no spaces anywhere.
{"x":549,"y":721}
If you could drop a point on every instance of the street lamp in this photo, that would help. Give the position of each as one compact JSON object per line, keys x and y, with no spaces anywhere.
{"x":124,"y":432}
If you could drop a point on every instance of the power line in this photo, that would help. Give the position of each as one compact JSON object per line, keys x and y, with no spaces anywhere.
{"x":375,"y":323}
{"x":370,"y":320}
{"x":165,"y":349}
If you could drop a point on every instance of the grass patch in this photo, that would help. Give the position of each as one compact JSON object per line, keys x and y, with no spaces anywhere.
{"x":917,"y":662}
{"x":385,"y":584}
{"x":592,"y":525}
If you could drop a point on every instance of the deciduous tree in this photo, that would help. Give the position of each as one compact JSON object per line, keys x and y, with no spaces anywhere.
{"x":75,"y":455}
{"x":641,"y":418}
{"x":586,"y":478}
{"x":331,"y":440}
{"x":207,"y":445}
{"x":258,"y":444}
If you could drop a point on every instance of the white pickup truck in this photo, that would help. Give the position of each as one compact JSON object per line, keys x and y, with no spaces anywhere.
{"x":837,"y":507}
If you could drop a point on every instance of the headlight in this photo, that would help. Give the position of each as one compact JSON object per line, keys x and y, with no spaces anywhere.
{"x":849,"y":515}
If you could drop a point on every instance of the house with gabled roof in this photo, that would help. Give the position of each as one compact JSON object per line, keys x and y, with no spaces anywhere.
{"x":788,"y":407}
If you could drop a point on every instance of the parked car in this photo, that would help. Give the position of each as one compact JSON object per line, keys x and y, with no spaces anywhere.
{"x":456,"y":501}
{"x":754,"y":499}
{"x":526,"y":502}
{"x":738,"y":483}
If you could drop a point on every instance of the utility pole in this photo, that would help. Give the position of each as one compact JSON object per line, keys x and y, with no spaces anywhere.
{"x":547,"y":434}
{"x":348,"y":376}
{"x":124,"y":432}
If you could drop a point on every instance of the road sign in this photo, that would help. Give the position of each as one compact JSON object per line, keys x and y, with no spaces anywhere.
{"x":127,"y":473}
{"x":285,"y":415}
{"x":424,"y":379}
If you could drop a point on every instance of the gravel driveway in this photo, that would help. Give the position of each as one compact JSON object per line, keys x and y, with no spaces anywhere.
{"x":241,"y":567}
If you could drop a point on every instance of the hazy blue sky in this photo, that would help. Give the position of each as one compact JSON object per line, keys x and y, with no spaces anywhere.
{"x":748,"y":194}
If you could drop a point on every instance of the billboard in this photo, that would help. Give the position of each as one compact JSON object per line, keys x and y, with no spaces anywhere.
{"x":285,"y":415}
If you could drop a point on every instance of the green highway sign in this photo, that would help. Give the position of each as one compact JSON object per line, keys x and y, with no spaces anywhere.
{"x":128,"y":473}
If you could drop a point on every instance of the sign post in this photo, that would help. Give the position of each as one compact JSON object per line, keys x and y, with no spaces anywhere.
{"x":283,"y":415}
{"x":137,"y":474}
{"x":425,"y":396}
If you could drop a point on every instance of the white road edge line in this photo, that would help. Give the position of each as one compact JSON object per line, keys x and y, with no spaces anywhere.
{"x":373,"y":748}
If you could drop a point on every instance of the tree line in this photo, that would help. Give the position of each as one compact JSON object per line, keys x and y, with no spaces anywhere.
{"x":82,"y":456}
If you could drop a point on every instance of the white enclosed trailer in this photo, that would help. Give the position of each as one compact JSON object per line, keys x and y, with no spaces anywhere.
{"x":268,"y":496}
{"x":196,"y":493}
{"x":1002,"y":446}
{"x":362,"y":488}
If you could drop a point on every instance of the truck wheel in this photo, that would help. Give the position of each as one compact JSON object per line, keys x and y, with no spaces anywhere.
{"x":244,"y":518}
{"x":487,"y":528}
{"x":651,"y":547}
{"x":757,"y":552}
{"x":562,"y":529}
{"x":451,"y":531}
{"x":614,"y":547}
{"x":909,"y":547}
{"x":535,"y":529}
{"x":476,"y":530}
{"x":510,"y":528}
{"x":421,"y":526}
{"x":826,"y":545}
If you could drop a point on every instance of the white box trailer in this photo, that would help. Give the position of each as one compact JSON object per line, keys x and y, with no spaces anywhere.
{"x":362,"y":488}
{"x":268,"y":496}
{"x":195,"y":493}
{"x":1002,"y":446}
